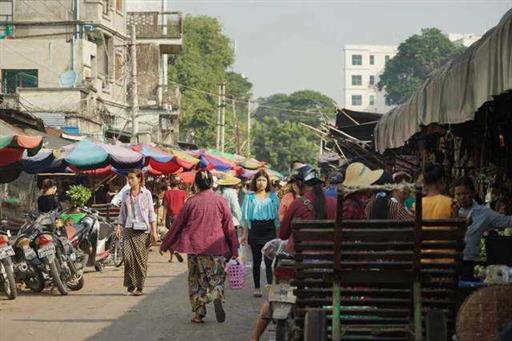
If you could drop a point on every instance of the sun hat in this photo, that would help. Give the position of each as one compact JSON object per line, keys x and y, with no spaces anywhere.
{"x":358,"y":175}
{"x":229,"y":181}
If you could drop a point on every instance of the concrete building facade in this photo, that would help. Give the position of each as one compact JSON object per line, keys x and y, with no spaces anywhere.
{"x":363,"y":65}
{"x":68,"y":62}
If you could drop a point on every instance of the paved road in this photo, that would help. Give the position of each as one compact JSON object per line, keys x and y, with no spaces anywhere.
{"x":100,"y":311}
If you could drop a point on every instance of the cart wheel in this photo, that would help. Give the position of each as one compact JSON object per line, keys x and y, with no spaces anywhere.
{"x":435,"y":324}
{"x":315,"y":326}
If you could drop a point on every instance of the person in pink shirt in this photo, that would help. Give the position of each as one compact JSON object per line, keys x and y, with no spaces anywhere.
{"x":204,"y":231}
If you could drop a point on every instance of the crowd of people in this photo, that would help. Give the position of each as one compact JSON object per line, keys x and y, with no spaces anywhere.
{"x":213,"y":221}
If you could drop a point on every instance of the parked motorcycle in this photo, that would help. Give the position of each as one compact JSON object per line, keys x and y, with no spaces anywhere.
{"x":6,"y":266}
{"x":281,"y":294}
{"x":92,"y":240}
{"x":26,"y":264}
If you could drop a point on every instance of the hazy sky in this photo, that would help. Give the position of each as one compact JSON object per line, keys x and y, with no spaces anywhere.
{"x":284,"y":46}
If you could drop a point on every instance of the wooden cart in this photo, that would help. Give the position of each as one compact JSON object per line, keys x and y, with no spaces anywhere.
{"x":377,"y":279}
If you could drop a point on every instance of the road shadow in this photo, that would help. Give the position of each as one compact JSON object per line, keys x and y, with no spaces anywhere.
{"x":165,"y":314}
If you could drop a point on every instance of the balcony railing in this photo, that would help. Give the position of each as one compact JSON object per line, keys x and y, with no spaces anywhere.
{"x":157,"y":25}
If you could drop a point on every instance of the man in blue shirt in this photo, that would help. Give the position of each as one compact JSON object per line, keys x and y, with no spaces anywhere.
{"x":481,"y":219}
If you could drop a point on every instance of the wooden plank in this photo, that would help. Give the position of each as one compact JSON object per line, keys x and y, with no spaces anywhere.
{"x":459,"y":223}
{"x":301,"y":246}
{"x":378,"y":235}
{"x":374,"y":277}
{"x":377,"y":302}
{"x":315,"y":235}
{"x":378,"y":224}
{"x":312,"y":224}
{"x":361,"y":311}
{"x":318,"y":292}
{"x":438,"y":234}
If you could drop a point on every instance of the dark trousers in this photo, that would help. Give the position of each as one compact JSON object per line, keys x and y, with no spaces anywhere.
{"x":256,"y":265}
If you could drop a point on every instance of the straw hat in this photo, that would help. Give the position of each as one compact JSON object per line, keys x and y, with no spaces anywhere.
{"x":229,"y":181}
{"x":358,"y":175}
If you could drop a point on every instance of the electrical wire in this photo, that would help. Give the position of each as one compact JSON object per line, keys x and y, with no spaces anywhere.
{"x":243,"y":101}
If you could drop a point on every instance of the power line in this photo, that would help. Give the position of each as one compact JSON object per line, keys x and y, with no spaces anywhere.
{"x":241,"y":100}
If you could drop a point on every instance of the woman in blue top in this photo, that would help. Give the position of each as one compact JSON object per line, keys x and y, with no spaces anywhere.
{"x":260,"y":221}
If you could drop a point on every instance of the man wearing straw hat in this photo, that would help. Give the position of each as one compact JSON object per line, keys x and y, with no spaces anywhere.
{"x":357,"y":178}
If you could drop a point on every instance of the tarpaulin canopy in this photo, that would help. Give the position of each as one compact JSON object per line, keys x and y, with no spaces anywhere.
{"x":44,"y":161}
{"x":87,"y":155}
{"x":453,"y":93}
{"x":212,"y":161}
{"x":13,"y":146}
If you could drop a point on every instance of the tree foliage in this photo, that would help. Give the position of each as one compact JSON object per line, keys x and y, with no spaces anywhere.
{"x":310,"y":102}
{"x":202,"y":65}
{"x":417,"y":57}
{"x":279,"y":143}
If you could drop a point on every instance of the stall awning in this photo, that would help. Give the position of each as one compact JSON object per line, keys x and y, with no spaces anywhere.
{"x":454,"y":92}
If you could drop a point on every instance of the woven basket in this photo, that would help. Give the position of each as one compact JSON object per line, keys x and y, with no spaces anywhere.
{"x":236,"y":275}
{"x":485,"y":313}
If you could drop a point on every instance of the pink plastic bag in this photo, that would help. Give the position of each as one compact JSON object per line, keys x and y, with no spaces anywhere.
{"x":236,"y":274}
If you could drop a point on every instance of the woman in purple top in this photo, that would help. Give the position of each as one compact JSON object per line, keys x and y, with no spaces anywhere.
{"x":137,"y":219}
{"x":204,"y":231}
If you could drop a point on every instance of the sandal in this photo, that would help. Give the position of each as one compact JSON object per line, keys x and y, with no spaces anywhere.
{"x":257,"y":293}
{"x":138,"y":293}
{"x":197,"y":319}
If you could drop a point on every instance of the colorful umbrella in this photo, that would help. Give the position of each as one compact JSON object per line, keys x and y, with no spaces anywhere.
{"x":87,"y":155}
{"x":44,"y":161}
{"x":13,"y":146}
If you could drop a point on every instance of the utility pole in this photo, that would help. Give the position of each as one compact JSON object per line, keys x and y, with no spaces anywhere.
{"x":217,"y":144}
{"x":248,"y":127}
{"x":134,"y":90}
{"x":237,"y":127}
{"x":223,"y":118}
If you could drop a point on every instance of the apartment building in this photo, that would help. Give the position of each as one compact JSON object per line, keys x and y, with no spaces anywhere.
{"x":363,"y":65}
{"x":68,"y":62}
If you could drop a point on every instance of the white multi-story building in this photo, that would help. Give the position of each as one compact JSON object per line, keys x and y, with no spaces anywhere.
{"x":362,"y":68}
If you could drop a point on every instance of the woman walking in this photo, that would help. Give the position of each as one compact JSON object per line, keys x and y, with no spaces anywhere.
{"x":260,"y":220}
{"x":204,"y":230}
{"x":137,"y":220}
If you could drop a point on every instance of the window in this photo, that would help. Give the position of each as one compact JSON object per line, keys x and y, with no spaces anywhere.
{"x":357,"y":59}
{"x":357,"y":80}
{"x":14,"y":79}
{"x":372,"y":59}
{"x":371,"y":81}
{"x":357,"y":100}
{"x":386,"y":59}
{"x":371,"y":100}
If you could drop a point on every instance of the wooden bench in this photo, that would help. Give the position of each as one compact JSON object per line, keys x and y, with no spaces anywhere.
{"x":376,"y":279}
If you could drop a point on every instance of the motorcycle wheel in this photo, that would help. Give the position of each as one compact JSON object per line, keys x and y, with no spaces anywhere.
{"x":282,"y":332}
{"x":117,"y":253}
{"x":78,"y":282}
{"x":55,"y":273}
{"x":8,"y":278}
{"x":36,"y":280}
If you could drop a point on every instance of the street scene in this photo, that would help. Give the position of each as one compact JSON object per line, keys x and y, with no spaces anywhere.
{"x":255,"y":170}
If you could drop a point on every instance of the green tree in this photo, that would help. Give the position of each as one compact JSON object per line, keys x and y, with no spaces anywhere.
{"x":417,"y":57}
{"x":279,"y":143}
{"x":301,"y":106}
{"x":202,"y":65}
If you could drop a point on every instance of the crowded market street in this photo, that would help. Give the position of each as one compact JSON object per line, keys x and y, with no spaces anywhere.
{"x":101,"y":311}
